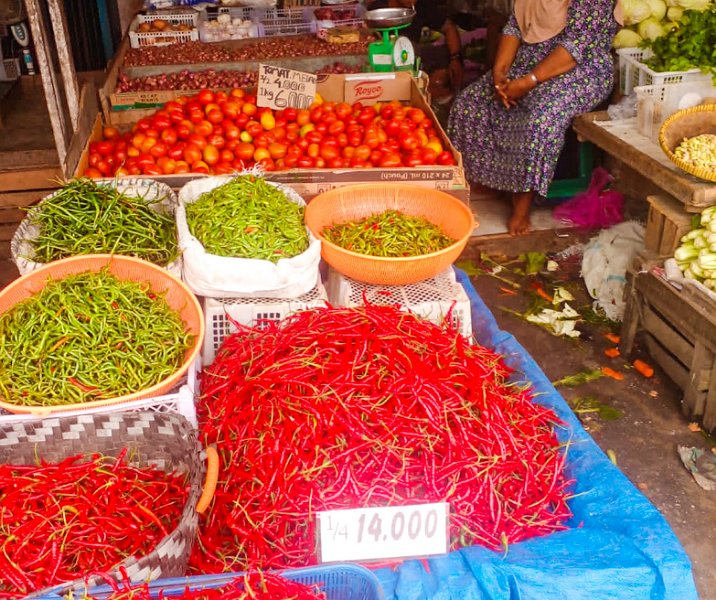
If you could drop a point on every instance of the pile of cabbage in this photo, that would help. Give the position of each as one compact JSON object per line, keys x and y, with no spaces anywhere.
{"x":646,"y":20}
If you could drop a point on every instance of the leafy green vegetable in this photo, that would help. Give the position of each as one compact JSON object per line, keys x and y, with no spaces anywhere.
{"x":578,"y":378}
{"x":690,"y":45}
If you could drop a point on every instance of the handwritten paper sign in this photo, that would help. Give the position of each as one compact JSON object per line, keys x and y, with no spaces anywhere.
{"x":280,"y":87}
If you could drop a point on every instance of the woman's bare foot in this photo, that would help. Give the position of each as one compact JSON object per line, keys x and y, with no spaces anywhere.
{"x":519,"y":221}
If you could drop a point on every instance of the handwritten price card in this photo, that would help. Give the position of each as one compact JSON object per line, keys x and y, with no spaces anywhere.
{"x":280,"y":88}
{"x":384,"y":532}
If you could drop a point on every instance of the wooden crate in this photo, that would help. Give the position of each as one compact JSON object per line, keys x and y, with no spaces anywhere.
{"x":680,"y":330}
{"x":666,"y":224}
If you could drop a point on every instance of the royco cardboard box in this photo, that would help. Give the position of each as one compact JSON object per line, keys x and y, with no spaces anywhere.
{"x":367,"y":88}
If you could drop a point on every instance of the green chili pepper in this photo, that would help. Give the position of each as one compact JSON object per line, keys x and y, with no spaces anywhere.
{"x":248,"y":218}
{"x":389,"y":234}
{"x":87,"y":218}
{"x":88,"y":337}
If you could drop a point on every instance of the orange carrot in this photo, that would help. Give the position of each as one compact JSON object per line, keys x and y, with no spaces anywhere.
{"x":212,"y":477}
{"x":508,"y":292}
{"x":643,"y":368}
{"x":612,"y":373}
{"x":611,"y":352}
{"x":612,"y":337}
{"x":542,"y":294}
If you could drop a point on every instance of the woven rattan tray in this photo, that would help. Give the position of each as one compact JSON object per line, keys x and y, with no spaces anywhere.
{"x":688,"y":123}
{"x":163,"y":440}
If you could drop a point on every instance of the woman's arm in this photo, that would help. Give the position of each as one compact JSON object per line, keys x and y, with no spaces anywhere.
{"x":454,"y":46}
{"x":506,"y":52}
{"x":556,"y":63}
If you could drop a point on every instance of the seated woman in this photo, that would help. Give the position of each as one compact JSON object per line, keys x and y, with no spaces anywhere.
{"x":553,"y":62}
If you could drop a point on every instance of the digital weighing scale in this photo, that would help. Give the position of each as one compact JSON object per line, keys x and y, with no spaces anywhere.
{"x":393,"y":52}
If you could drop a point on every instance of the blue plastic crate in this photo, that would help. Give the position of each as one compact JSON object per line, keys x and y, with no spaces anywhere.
{"x":338,"y":582}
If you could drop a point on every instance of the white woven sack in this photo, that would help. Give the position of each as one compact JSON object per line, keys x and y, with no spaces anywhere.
{"x":226,"y":277}
{"x":164,"y":200}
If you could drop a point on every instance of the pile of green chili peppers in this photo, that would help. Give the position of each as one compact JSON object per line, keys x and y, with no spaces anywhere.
{"x":88,"y":337}
{"x":86,"y":218}
{"x":390,"y":234}
{"x":248,"y":218}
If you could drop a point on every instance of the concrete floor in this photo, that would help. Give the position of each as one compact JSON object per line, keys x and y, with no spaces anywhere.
{"x":644,"y":438}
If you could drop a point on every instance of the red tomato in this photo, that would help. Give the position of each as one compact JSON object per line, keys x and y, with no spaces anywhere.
{"x":343,"y":110}
{"x":216,"y":140}
{"x":241,"y":120}
{"x":197,"y":140}
{"x":177,"y":151}
{"x":143,"y":124}
{"x":336,"y":127}
{"x":94,"y":158}
{"x":221,"y":96}
{"x":428,"y":155}
{"x":169,"y":136}
{"x":366,"y":115}
{"x":253,"y":128}
{"x":237,"y":93}
{"x":182,"y":167}
{"x":110,"y":133}
{"x":409,"y":142}
{"x":445,"y":158}
{"x":152,"y":133}
{"x":245,"y":151}
{"x":205,"y":97}
{"x":210,"y":154}
{"x":314,"y":137}
{"x":152,"y":170}
{"x":104,"y":147}
{"x":390,"y":160}
{"x":268,"y":164}
{"x":240,"y":165}
{"x":320,"y":163}
{"x":200,"y":167}
{"x":167,"y":165}
{"x":413,"y":159}
{"x":316,"y":114}
{"x":329,"y":153}
{"x":192,"y":153}
{"x":231,"y":131}
{"x":290,"y":161}
{"x":204,"y":128}
{"x":184,"y":129}
{"x":303,"y":117}
{"x":160,"y":122}
{"x":223,"y":168}
{"x":277,"y":150}
{"x":305,"y":162}
{"x":93,"y":173}
{"x":290,"y":114}
{"x":215,"y":116}
{"x":313,"y":150}
{"x":416,"y":115}
{"x":249,"y":109}
{"x":226,"y":156}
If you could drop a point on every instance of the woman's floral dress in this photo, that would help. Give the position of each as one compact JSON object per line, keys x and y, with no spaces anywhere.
{"x":516,"y":150}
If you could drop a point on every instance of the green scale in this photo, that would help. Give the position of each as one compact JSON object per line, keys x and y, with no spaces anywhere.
{"x":393,"y":52}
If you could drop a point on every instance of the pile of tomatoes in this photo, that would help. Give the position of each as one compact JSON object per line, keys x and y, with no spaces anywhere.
{"x":220,"y":133}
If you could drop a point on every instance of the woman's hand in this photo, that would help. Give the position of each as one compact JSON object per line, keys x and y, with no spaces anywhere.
{"x":512,"y":90}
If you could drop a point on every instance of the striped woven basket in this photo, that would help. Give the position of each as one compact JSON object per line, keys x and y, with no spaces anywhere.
{"x":688,"y":123}
{"x":162,"y":440}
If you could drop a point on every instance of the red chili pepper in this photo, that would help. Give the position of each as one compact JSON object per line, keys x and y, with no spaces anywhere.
{"x":338,"y":408}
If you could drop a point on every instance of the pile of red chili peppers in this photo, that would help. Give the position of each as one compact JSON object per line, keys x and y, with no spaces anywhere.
{"x":345,"y":407}
{"x":61,"y":521}
{"x":249,"y":586}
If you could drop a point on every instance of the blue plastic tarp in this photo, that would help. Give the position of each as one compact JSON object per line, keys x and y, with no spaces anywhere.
{"x":618,"y":544}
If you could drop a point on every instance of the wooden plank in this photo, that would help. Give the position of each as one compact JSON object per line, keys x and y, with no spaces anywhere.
{"x":654,"y":230}
{"x":630,"y":321}
{"x":668,"y":336}
{"x":697,"y":384}
{"x":87,"y":115}
{"x":7,"y":231}
{"x":15,"y":199}
{"x":695,"y":316}
{"x":691,"y":191}
{"x":61,"y":128}
{"x":64,"y":54}
{"x":20,"y":160}
{"x":672,"y":367}
{"x":709,"y":418}
{"x":31,"y":179}
{"x":12,"y":215}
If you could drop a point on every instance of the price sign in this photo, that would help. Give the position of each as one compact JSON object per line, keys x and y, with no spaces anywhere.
{"x":280,"y":88}
{"x":384,"y":532}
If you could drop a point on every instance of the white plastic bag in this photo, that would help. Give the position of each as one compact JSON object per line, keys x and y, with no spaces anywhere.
{"x":225,"y":277}
{"x":159,"y":195}
{"x":606,"y":259}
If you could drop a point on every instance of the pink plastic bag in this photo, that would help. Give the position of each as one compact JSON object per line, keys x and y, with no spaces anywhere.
{"x":596,"y":208}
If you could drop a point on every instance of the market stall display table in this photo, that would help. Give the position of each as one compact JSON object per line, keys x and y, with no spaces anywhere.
{"x":622,"y":140}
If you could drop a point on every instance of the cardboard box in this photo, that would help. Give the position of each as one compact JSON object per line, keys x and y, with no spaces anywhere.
{"x":368,"y":88}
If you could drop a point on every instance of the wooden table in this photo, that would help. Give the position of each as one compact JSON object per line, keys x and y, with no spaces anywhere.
{"x":622,"y":140}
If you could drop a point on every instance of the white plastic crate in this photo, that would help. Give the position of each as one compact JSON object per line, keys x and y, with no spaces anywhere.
{"x":229,"y":23}
{"x":633,"y":72}
{"x":181,"y":401}
{"x":139,"y":39}
{"x":655,"y":103}
{"x":431,"y":299}
{"x":9,"y":69}
{"x":284,"y":21}
{"x":218,"y":313}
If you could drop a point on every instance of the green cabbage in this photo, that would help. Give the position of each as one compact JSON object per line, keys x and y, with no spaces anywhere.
{"x":626,"y":38}
{"x":650,"y":29}
{"x":674,"y":13}
{"x":636,"y":11}
{"x":658,"y":9}
{"x":694,"y":4}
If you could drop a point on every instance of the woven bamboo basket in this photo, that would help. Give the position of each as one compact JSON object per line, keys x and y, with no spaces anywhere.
{"x":160,"y":196}
{"x":164,"y":441}
{"x":688,"y":123}
{"x":354,"y":202}
{"x":179,"y":297}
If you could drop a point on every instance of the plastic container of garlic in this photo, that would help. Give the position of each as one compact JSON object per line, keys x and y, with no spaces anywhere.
{"x":225,"y":27}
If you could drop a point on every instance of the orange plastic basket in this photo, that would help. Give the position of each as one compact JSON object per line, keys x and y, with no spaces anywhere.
{"x":179,"y":297}
{"x":355,"y":202}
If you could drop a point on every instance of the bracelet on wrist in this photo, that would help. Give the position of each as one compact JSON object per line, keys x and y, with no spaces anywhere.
{"x":533,"y":78}
{"x":456,"y":56}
